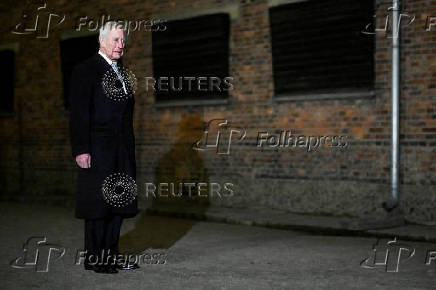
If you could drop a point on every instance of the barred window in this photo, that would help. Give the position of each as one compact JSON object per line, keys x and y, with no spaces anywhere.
{"x":319,"y":47}
{"x":192,"y":48}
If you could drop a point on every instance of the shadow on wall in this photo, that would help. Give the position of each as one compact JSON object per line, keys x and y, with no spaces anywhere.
{"x":179,"y":166}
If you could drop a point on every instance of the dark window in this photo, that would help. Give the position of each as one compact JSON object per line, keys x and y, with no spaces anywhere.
{"x":74,"y":51}
{"x":318,"y":46}
{"x":7,"y":81}
{"x":195,"y":47}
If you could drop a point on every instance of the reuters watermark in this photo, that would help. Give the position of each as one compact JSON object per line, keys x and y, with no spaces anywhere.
{"x":189,"y":83}
{"x":119,"y":189}
{"x":122,"y":84}
{"x":119,"y":85}
{"x":189,"y":189}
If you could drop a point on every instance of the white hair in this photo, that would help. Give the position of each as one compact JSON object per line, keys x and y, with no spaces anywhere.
{"x":108,"y":26}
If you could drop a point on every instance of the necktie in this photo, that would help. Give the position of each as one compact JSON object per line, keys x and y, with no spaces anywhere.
{"x":120,"y":77}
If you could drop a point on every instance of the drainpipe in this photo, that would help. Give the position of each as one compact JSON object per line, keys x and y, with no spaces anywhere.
{"x":395,"y":141}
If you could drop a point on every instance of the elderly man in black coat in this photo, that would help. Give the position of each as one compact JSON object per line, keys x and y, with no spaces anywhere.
{"x":103,"y":145}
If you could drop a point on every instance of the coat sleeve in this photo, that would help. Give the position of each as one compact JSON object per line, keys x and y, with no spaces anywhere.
{"x":80,"y":96}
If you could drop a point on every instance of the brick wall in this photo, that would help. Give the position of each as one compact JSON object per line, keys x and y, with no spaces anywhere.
{"x":35,"y":158}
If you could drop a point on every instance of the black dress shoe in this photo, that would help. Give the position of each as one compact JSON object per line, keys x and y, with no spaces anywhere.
{"x":105,"y":269}
{"x":122,"y":265}
{"x":89,"y":267}
{"x":111,"y":269}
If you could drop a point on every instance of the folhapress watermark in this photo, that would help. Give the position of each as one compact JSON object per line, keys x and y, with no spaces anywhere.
{"x":224,"y":135}
{"x":92,"y":24}
{"x":405,"y":19}
{"x":38,"y":254}
{"x":43,"y":21}
{"x":34,"y":28}
{"x":221,"y":140}
{"x":391,"y":255}
{"x":286,"y":139}
{"x":388,"y":256}
{"x":106,"y":258}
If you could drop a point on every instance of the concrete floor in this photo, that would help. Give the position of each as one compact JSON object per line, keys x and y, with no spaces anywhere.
{"x":202,"y":255}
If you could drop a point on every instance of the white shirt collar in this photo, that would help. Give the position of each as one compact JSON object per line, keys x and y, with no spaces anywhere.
{"x":109,"y":61}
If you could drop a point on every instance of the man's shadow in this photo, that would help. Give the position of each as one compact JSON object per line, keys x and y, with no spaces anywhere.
{"x":180,"y":165}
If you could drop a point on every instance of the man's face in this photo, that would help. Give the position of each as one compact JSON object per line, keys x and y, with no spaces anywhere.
{"x":113,"y":45}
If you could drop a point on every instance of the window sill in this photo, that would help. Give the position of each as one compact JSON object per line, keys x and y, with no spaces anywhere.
{"x":7,"y":114}
{"x":190,"y":103}
{"x":313,"y":96}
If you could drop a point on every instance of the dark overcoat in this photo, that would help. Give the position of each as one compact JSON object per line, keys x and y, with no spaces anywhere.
{"x":103,"y":127}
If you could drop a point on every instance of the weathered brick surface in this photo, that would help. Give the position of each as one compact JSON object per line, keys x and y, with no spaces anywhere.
{"x":35,"y":156}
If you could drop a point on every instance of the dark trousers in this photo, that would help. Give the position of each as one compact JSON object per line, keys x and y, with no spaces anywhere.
{"x":101,"y":239}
